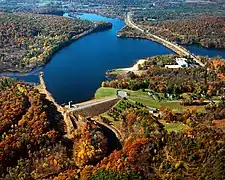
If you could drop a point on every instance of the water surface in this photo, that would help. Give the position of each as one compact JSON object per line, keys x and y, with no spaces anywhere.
{"x":75,"y":72}
{"x":209,"y":52}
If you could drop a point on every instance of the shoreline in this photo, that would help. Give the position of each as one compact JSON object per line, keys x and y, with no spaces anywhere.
{"x":151,"y":39}
{"x":124,"y":36}
{"x":132,"y":67}
{"x":101,"y":14}
{"x":180,"y":50}
{"x":97,"y":28}
{"x":120,"y":71}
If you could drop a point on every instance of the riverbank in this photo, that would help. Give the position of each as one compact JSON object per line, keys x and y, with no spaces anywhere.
{"x":155,"y":87}
{"x":196,"y":49}
{"x":207,"y":31}
{"x":66,"y":43}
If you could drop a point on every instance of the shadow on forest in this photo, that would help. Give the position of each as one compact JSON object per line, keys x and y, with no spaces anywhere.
{"x":113,"y":141}
{"x":55,"y":117}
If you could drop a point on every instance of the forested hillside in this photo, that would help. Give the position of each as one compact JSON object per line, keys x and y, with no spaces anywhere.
{"x":29,"y":40}
{"x":32,"y":143}
{"x":185,"y":138}
{"x":207,"y":31}
{"x":167,"y":120}
{"x":28,"y":122}
{"x":156,"y":77}
{"x":152,"y":153}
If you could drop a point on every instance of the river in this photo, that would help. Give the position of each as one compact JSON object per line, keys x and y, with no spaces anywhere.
{"x":75,"y":72}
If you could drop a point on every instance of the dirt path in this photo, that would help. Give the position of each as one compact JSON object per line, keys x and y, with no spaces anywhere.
{"x":134,"y":68}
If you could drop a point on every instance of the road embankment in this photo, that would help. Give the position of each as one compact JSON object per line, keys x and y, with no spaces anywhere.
{"x":146,"y":35}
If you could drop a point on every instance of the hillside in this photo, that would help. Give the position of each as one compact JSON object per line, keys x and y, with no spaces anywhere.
{"x":33,"y":143}
{"x":161,"y":119}
{"x":207,"y":31}
{"x":177,"y":141}
{"x":183,"y":140}
{"x":29,"y":40}
{"x":29,"y":123}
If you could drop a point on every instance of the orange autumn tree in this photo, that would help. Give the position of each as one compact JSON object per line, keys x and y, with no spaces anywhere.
{"x":90,"y":145}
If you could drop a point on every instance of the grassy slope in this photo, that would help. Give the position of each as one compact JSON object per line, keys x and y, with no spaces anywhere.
{"x":174,"y":126}
{"x":105,"y":92}
{"x":155,"y":103}
{"x":117,"y":71}
{"x":144,"y":98}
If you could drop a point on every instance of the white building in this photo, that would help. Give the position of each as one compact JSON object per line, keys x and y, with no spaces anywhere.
{"x":172,"y":66}
{"x":181,"y":62}
{"x":122,"y":94}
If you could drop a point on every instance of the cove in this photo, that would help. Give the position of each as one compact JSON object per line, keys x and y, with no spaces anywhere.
{"x":75,"y":72}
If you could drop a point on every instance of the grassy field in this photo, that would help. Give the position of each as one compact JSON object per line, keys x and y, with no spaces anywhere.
{"x":117,"y":124}
{"x":105,"y":92}
{"x":116,"y":72}
{"x":145,"y":99}
{"x":148,"y":101}
{"x":176,"y":126}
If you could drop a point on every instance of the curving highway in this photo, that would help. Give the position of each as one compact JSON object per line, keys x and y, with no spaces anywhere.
{"x":166,"y":43}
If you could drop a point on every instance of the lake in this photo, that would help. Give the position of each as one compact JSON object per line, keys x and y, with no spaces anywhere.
{"x":76,"y":72}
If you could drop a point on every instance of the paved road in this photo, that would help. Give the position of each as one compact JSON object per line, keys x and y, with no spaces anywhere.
{"x":130,"y":23}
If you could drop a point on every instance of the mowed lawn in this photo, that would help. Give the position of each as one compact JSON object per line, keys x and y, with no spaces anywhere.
{"x":148,"y":101}
{"x":145,"y":99}
{"x":105,"y":92}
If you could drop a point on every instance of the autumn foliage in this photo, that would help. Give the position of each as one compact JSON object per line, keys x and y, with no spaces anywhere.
{"x":29,"y":40}
{"x":25,"y":122}
{"x":207,"y":31}
{"x":33,"y":146}
{"x":90,"y":145}
{"x":194,"y":154}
